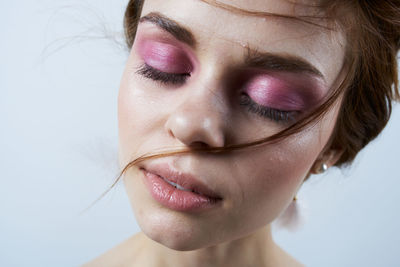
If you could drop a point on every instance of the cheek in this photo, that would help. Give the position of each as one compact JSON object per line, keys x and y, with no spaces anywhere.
{"x":278,"y":169}
{"x":281,"y":168}
{"x":271,"y":176}
{"x":134,"y":115}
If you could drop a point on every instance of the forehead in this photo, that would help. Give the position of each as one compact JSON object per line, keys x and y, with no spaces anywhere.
{"x":223,"y":32}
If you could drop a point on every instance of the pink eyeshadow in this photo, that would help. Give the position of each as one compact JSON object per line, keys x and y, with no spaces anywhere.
{"x":276,"y":93}
{"x":164,"y":57}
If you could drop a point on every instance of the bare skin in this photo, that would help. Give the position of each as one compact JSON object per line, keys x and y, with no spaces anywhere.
{"x":255,"y":250}
{"x":204,"y":108}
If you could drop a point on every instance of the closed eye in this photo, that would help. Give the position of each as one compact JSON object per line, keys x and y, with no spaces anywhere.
{"x":276,"y":115}
{"x":154,"y":74}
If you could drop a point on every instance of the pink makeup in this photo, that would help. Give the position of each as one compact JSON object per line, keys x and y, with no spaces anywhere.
{"x":277,"y":90}
{"x":164,"y":56}
{"x":282,"y":91}
{"x":177,"y":190}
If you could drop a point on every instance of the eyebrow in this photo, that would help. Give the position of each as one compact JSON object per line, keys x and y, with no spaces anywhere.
{"x":179,"y":32}
{"x":254,"y":58}
{"x":280,"y":62}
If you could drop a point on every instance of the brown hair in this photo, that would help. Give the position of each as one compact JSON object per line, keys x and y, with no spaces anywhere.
{"x":370,"y":83}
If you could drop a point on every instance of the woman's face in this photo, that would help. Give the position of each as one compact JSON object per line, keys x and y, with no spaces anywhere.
{"x":199,"y":75}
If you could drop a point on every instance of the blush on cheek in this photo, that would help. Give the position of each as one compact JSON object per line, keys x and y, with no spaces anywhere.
{"x":164,"y":57}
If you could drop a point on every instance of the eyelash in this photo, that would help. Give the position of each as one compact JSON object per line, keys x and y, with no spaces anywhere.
{"x":166,"y":78}
{"x":279,"y":116}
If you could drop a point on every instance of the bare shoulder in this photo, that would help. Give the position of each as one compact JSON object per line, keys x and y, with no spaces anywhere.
{"x":119,"y":256}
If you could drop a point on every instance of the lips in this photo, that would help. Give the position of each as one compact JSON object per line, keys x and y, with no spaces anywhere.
{"x":182,"y":181}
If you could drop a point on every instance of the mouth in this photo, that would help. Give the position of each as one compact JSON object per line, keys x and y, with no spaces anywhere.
{"x":178,"y":191}
{"x":177,"y":186}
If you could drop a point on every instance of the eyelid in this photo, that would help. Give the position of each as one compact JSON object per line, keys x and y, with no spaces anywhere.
{"x":283,"y":90}
{"x":155,"y":34}
{"x":164,"y":57}
{"x":276,"y":115}
{"x":149,"y":72}
{"x":274,"y":98}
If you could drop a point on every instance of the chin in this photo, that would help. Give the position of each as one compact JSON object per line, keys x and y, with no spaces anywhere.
{"x":176,"y":239}
{"x":175,"y":233}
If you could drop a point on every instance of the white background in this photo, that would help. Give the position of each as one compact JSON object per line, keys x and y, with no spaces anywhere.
{"x":58,"y":146}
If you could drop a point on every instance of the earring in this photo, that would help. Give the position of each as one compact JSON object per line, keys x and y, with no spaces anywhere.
{"x":292,"y":218}
{"x":323,"y":168}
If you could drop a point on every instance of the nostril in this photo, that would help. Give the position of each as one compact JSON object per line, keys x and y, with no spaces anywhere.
{"x":198,"y":144}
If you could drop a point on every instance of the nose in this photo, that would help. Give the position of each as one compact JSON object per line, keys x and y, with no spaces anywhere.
{"x":198,"y":121}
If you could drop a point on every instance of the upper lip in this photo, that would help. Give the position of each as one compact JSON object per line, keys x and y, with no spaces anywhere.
{"x":185,"y":180}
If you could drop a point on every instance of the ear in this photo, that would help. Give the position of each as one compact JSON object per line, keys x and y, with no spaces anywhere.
{"x":328,"y":157}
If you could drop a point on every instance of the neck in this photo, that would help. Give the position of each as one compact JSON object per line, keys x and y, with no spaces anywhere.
{"x":257,"y":249}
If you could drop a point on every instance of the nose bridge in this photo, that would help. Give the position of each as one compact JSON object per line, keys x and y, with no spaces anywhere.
{"x":208,"y":94}
{"x":200,"y":116}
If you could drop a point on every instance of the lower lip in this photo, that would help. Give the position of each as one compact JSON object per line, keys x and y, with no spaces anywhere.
{"x":176,"y":199}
